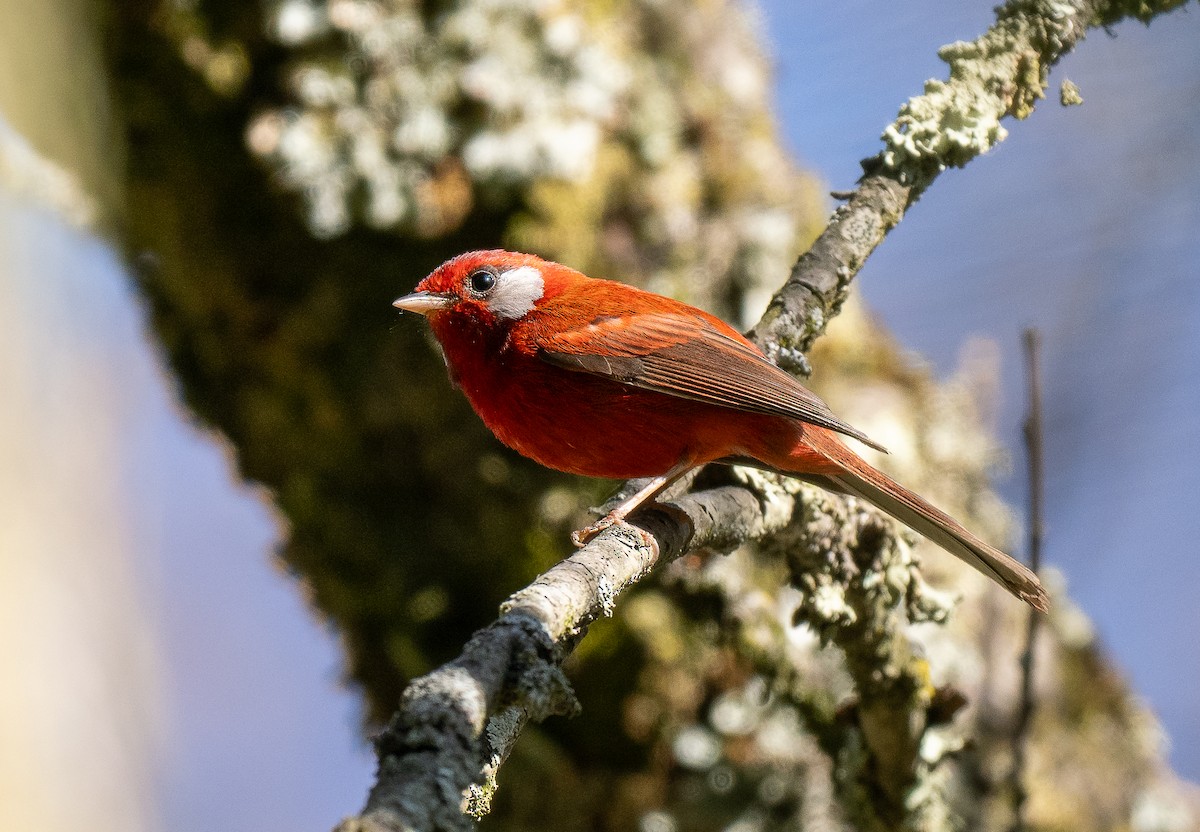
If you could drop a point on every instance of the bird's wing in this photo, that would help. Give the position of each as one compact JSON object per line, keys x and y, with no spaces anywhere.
{"x":686,"y":355}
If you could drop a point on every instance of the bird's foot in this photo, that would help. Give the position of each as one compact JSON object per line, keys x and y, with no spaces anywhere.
{"x":584,"y":536}
{"x":646,"y":493}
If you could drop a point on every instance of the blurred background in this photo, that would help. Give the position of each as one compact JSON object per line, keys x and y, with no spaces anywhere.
{"x":242,"y":505}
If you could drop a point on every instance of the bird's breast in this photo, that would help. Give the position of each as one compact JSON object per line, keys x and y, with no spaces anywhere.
{"x":595,"y":426}
{"x":577,"y":422}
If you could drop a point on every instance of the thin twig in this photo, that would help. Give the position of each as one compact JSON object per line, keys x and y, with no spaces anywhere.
{"x":1033,"y":446}
{"x":1033,"y":442}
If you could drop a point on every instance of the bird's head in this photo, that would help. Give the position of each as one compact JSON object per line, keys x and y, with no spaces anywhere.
{"x":484,"y":289}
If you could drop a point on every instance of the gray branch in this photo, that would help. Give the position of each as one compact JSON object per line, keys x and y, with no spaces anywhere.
{"x":455,"y":726}
{"x":435,"y":749}
{"x":861,"y":588}
{"x":1003,"y":73}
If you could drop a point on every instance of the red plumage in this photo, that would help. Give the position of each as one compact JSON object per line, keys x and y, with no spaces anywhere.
{"x":603,"y":379}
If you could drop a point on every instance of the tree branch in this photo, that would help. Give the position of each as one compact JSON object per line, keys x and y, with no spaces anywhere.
{"x":861,"y":588}
{"x":437,"y":747}
{"x":1002,"y":73}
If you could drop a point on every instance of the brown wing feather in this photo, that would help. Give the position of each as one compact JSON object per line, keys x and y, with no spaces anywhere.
{"x":687,"y":356}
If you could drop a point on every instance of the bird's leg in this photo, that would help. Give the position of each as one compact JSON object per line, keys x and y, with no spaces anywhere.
{"x":631,"y":504}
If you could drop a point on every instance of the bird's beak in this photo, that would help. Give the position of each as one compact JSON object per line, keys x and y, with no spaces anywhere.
{"x":424,"y":303}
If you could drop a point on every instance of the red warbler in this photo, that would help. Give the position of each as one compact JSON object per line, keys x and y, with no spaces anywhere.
{"x":603,"y":379}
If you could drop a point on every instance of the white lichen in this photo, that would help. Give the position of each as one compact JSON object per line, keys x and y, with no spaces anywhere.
{"x":947,"y":126}
{"x":518,"y":91}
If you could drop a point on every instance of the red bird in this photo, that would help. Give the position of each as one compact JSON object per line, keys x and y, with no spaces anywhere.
{"x":599,"y":378}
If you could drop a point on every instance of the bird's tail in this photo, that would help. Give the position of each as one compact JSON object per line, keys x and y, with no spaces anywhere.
{"x":860,"y":479}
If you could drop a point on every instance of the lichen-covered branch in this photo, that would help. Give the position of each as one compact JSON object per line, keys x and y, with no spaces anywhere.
{"x":813,"y":294}
{"x":860,"y":590}
{"x":437,"y":752}
{"x":1002,"y":73}
{"x":435,"y":749}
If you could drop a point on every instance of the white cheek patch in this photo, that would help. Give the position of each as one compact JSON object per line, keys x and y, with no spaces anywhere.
{"x":516,"y":292}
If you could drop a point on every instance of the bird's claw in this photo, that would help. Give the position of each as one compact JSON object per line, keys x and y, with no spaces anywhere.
{"x":584,"y":536}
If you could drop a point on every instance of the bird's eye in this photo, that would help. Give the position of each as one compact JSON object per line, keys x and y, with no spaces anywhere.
{"x":482,"y":281}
